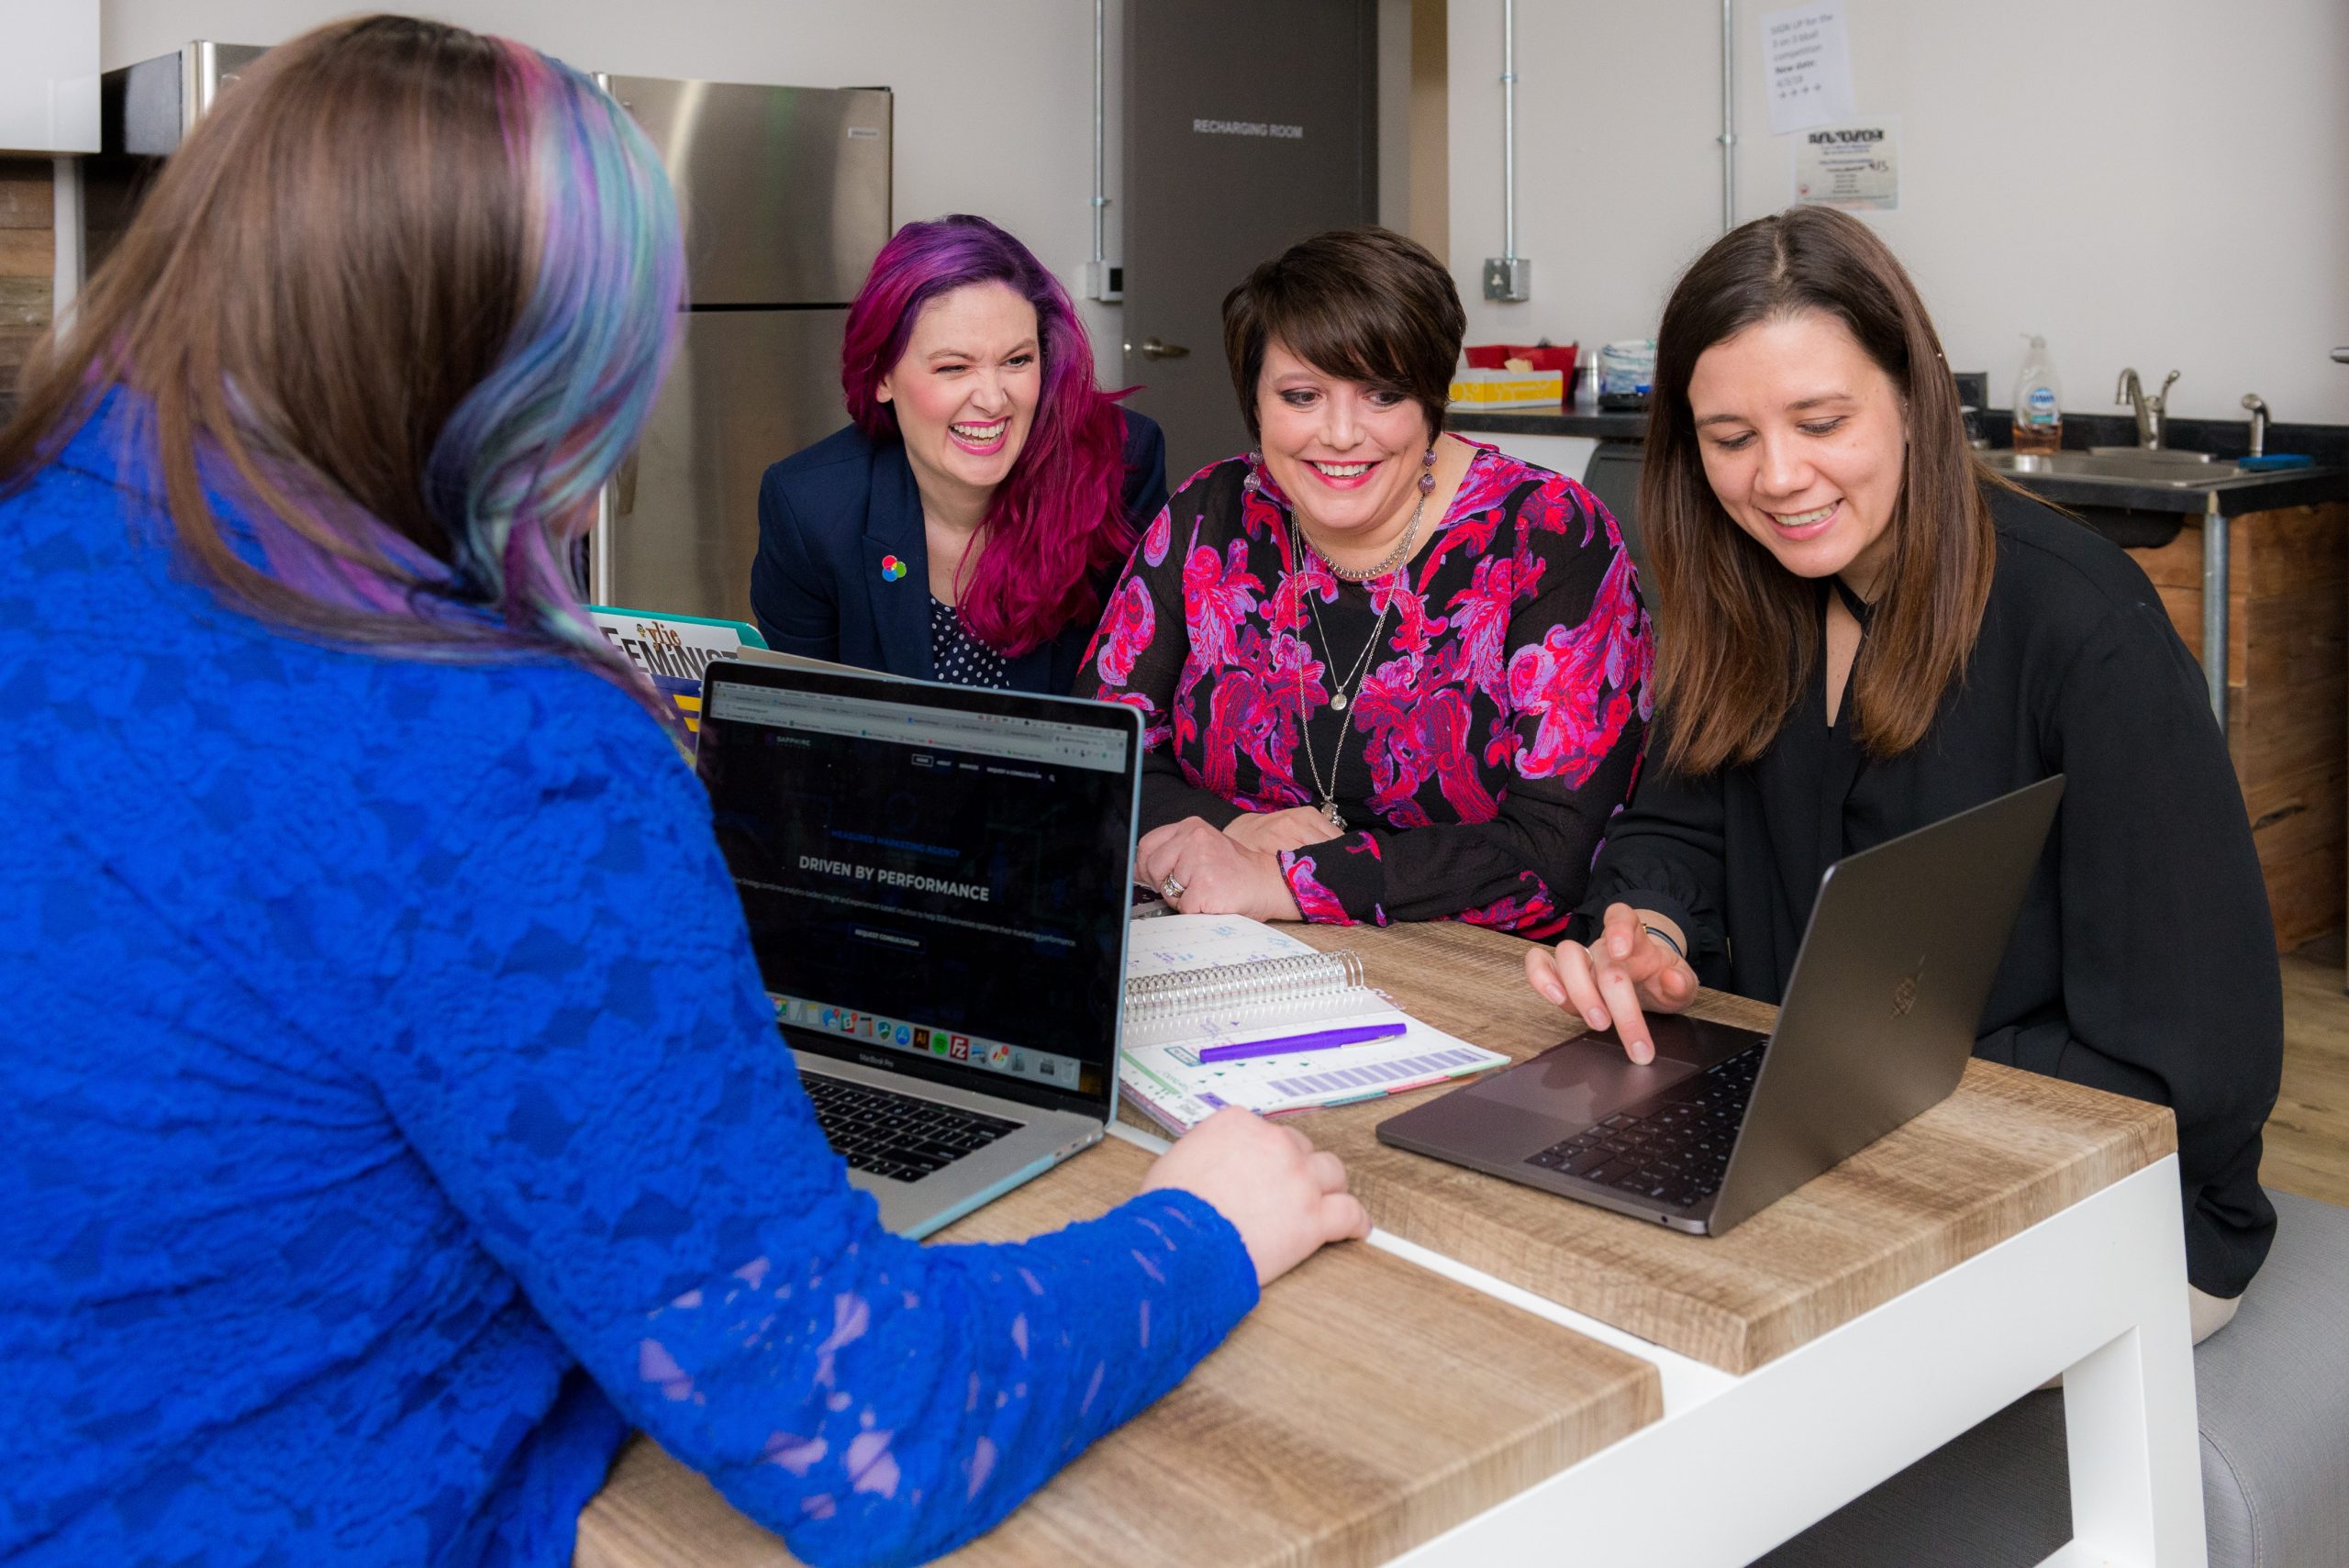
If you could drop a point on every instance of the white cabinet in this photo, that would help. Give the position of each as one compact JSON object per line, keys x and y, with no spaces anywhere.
{"x":48,"y":76}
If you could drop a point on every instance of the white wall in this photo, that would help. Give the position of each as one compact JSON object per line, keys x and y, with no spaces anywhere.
{"x":2161,"y":184}
{"x":993,"y":111}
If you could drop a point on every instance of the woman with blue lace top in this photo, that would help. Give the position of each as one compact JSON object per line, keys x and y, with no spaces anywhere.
{"x":396,"y":1117}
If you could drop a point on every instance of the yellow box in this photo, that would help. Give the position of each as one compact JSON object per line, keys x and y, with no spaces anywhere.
{"x":1508,"y":389}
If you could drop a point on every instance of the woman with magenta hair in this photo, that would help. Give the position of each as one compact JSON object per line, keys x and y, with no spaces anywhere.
{"x":395,"y":1115}
{"x":965,"y":526}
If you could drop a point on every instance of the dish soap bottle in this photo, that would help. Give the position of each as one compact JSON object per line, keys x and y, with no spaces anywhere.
{"x":2038,"y":413}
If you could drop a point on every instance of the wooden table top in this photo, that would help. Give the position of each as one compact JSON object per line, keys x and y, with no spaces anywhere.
{"x":1364,"y":1408}
{"x":2008,"y":1150}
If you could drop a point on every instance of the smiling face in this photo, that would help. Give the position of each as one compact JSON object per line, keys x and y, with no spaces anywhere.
{"x":965,"y":389}
{"x":1805,"y":442}
{"x":1346,"y":453}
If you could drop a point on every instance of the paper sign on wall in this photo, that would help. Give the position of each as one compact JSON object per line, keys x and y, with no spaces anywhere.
{"x":1855,"y":167}
{"x":1808,"y":59}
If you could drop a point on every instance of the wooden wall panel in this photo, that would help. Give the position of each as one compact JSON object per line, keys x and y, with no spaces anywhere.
{"x":27,"y":263}
{"x":2288,"y":692}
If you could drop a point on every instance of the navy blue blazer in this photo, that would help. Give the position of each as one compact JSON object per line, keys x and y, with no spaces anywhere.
{"x":827,"y":517}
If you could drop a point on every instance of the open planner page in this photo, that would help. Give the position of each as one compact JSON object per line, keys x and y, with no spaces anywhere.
{"x":1161,"y":1070}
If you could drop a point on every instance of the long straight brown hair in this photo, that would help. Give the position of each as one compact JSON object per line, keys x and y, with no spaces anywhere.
{"x":1736,"y":633}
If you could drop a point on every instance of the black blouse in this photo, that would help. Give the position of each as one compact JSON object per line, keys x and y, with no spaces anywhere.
{"x":2144,"y":961}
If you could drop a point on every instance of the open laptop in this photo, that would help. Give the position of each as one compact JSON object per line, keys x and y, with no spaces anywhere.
{"x":1878,"y":1020}
{"x":935,"y":878}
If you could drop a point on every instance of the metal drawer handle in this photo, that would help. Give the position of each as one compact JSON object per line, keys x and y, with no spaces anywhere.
{"x":1152,"y":349}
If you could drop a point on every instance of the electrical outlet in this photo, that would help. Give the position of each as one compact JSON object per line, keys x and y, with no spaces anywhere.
{"x":1104,"y":281}
{"x":1509,"y":277}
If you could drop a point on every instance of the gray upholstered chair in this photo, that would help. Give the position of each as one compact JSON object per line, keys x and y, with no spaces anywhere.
{"x":1613,"y":475}
{"x":2273,"y":1392}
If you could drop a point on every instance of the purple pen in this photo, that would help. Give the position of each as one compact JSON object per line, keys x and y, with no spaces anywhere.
{"x":1321,"y":1040}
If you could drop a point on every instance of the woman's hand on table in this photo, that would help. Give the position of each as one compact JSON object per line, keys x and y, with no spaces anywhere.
{"x":1618,"y":978}
{"x":1292,"y":828}
{"x":1203,"y":871}
{"x":1284,"y":1197}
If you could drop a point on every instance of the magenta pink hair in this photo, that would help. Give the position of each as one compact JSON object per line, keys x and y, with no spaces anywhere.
{"x":1058,"y":520}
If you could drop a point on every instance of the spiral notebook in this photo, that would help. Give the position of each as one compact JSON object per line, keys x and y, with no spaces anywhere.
{"x":1194,"y":982}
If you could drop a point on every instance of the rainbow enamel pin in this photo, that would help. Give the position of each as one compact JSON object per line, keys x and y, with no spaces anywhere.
{"x":892,"y":569}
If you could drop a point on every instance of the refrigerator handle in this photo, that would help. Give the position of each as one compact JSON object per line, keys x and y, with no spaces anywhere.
{"x":599,"y":536}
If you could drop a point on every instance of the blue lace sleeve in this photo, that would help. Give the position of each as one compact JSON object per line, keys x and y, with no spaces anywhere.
{"x":576,"y":1041}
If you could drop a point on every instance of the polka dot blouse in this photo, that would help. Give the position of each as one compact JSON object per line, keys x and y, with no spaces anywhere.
{"x":958,"y":656}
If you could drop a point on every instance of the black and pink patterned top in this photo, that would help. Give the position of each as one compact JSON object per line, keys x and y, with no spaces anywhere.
{"x":1498,"y":728}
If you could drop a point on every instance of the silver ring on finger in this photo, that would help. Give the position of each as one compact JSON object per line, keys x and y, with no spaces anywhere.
{"x":1170,"y":885}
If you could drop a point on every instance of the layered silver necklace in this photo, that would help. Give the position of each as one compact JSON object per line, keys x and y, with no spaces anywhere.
{"x":1343,"y":692}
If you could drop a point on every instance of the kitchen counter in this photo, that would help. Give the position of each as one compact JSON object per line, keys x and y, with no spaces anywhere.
{"x":1585,"y":419}
{"x":2171,"y":504}
{"x":2235,"y":497}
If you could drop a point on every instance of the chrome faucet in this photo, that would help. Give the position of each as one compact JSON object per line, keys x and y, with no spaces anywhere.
{"x":2148,"y":410}
{"x":2258,"y":408}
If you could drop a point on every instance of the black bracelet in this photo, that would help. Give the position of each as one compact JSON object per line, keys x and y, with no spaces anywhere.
{"x":1665,"y":937}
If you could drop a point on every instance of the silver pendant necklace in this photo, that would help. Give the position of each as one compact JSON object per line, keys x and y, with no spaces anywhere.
{"x":1339,"y":696}
{"x":1340,"y":700}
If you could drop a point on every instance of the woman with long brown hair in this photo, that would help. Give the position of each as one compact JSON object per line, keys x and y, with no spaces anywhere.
{"x":395,"y":1115}
{"x":1859,"y":631}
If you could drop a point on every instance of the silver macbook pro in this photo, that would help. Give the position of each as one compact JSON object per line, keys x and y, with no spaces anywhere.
{"x":1878,"y":1020}
{"x":936,"y":880}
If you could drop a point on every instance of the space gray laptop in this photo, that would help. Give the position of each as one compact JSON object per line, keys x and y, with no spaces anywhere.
{"x":935,"y":878}
{"x":1878,"y":1020}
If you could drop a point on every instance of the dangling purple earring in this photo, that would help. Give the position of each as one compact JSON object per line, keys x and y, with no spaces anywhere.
{"x":1427,"y":472}
{"x":1256,"y":470}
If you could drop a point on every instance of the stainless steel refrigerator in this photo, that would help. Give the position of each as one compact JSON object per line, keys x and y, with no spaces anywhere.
{"x":144,"y":111}
{"x":785,"y":196}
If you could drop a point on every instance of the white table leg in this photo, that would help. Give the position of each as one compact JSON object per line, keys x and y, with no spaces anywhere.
{"x":2096,"y":1292}
{"x":2129,"y":1423}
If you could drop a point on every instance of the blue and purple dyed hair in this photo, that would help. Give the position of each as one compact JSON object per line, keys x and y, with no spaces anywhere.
{"x":1058,"y":519}
{"x":406,"y":296}
{"x":518,"y":466}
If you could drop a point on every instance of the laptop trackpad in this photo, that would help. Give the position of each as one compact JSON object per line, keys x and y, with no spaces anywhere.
{"x":1584,"y":1081}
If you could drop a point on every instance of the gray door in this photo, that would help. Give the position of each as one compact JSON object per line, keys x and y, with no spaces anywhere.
{"x":1249,"y":125}
{"x":750,"y":387}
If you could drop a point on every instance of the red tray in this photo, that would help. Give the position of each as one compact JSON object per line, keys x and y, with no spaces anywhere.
{"x":1557,"y":357}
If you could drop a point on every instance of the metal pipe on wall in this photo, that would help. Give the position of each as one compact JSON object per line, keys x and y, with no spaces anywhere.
{"x":67,"y":262}
{"x":1100,"y":144}
{"x":1509,"y":129}
{"x":1508,"y":276}
{"x":2215,"y":587}
{"x":1729,"y":115}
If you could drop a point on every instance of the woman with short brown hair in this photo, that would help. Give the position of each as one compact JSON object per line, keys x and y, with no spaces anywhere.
{"x":1388,"y":674}
{"x":1864,"y":631}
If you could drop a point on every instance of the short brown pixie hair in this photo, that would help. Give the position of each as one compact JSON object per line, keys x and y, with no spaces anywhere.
{"x":1368,"y":304}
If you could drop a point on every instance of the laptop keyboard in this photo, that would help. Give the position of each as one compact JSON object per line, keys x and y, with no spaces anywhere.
{"x":903,"y":1137}
{"x":1675,"y":1153}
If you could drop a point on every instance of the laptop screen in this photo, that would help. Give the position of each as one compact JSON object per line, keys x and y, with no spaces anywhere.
{"x":936,"y":878}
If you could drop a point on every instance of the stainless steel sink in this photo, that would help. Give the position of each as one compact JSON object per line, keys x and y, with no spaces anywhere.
{"x":2151,"y":454}
{"x":2125,"y":466}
